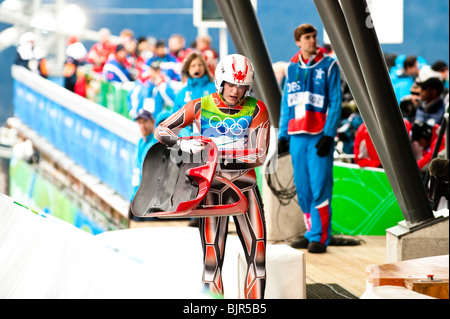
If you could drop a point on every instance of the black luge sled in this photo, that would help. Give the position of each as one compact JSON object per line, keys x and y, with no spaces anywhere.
{"x":174,"y":183}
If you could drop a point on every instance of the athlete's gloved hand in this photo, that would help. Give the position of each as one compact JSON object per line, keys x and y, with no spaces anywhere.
{"x":283,"y":147}
{"x":323,"y":145}
{"x":191,"y":146}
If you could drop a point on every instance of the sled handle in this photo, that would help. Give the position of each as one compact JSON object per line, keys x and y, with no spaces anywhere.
{"x":236,"y":208}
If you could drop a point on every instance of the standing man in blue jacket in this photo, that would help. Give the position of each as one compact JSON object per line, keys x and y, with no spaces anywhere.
{"x":146,"y":124}
{"x":310,"y":114}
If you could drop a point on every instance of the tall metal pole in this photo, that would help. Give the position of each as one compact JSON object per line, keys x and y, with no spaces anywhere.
{"x":247,"y":36}
{"x":412,"y":196}
{"x":235,"y":33}
{"x":334,"y":22}
{"x":232,"y":25}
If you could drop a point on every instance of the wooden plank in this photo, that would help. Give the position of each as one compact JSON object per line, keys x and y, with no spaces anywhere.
{"x":434,"y":288}
{"x":418,"y":269}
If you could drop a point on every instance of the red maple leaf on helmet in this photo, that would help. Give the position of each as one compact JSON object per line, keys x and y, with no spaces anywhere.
{"x":239,"y":76}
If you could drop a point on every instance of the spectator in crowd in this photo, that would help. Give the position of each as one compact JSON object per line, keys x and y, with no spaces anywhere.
{"x":30,"y":55}
{"x":168,"y":64}
{"x":199,"y":81}
{"x":364,"y":150}
{"x":427,"y":72}
{"x":203,"y":43}
{"x":127,"y":39}
{"x":143,"y":53}
{"x":348,"y":126}
{"x":442,"y":68}
{"x":125,"y":36}
{"x":101,"y":51}
{"x":151,"y":46}
{"x":410,"y":103}
{"x":177,"y":47}
{"x":424,"y":139}
{"x":403,"y":82}
{"x":432,"y":106}
{"x":154,"y":92}
{"x":310,"y":115}
{"x":165,"y":90}
{"x":396,"y":66}
{"x":116,"y":69}
{"x":76,"y":54}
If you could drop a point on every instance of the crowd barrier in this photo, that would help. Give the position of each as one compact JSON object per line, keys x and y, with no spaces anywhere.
{"x":363,"y":201}
{"x":111,"y":95}
{"x":95,"y":137}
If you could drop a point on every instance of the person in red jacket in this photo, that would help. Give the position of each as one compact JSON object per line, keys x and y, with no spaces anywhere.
{"x":425,"y":137}
{"x":364,"y":150}
{"x":100,"y":52}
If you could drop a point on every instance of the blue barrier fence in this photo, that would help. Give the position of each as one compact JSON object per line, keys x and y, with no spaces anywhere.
{"x":94,"y":137}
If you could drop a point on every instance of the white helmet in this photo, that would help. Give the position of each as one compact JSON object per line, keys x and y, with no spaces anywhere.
{"x":27,"y":37}
{"x":234,"y":69}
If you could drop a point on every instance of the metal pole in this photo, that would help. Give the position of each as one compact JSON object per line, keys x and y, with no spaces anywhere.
{"x":411,"y":196}
{"x":232,"y":25}
{"x":334,"y":22}
{"x":240,"y":16}
{"x":233,"y":28}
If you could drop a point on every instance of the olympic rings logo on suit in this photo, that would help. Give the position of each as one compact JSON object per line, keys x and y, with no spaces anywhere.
{"x":229,"y":125}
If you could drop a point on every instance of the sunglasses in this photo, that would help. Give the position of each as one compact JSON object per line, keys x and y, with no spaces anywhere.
{"x":415,"y":93}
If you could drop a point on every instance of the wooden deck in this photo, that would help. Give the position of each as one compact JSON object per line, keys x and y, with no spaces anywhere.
{"x":342,"y":265}
{"x":346,"y":265}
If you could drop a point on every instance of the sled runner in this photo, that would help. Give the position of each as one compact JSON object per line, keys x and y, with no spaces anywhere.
{"x":174,"y":183}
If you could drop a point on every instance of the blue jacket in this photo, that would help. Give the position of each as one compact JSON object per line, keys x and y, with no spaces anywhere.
{"x":155,"y":99}
{"x":168,"y":64}
{"x":312,"y":97}
{"x":433,"y":112}
{"x":194,"y":89}
{"x":402,"y":86}
{"x":116,"y":72}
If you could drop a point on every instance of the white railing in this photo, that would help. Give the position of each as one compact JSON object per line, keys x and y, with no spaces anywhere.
{"x":94,"y":137}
